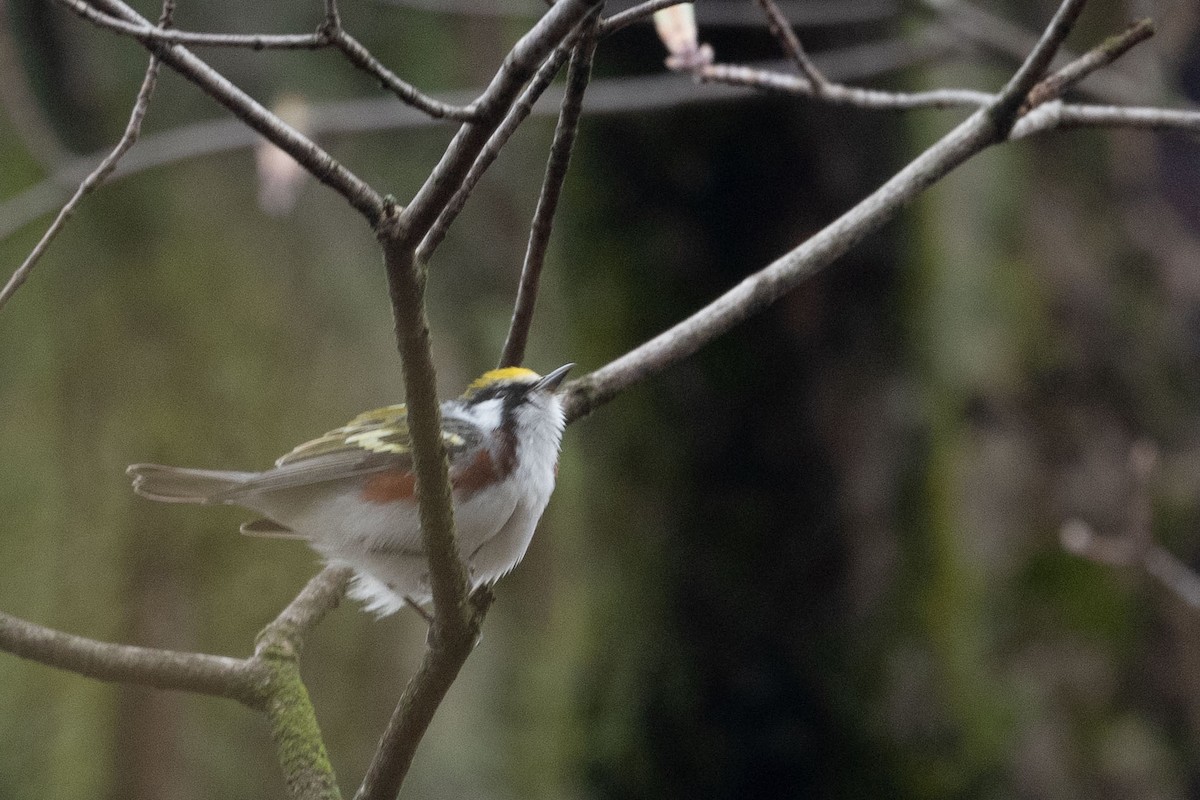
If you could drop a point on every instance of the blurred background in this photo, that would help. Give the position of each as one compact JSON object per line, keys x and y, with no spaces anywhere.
{"x":819,"y":559}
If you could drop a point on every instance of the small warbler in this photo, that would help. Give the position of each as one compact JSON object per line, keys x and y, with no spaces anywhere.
{"x":352,"y":492}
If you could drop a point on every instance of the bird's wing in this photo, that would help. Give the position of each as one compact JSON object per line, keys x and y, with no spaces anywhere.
{"x":376,"y":441}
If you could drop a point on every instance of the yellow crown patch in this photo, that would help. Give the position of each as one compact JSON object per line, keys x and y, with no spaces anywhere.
{"x":506,"y":374}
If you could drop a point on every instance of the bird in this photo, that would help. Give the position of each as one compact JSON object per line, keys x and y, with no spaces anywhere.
{"x":352,"y":493}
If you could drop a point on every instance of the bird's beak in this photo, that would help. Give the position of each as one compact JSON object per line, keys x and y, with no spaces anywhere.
{"x":550,"y":382}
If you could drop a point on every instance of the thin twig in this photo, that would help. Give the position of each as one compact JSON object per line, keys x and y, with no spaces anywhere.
{"x":623,"y":19}
{"x":782,"y":30}
{"x":132,"y":129}
{"x":1002,"y":104}
{"x":998,"y":36}
{"x":331,"y":34}
{"x":1057,"y":84}
{"x":771,"y":81}
{"x":605,"y":96}
{"x":148,"y":34}
{"x":803,"y":13}
{"x":578,"y":74}
{"x":1057,"y":115}
{"x":318,"y":162}
{"x":456,"y":621}
{"x":1134,"y":546}
{"x":517,"y":114}
{"x":799,"y":13}
{"x":361,"y":58}
{"x":518,"y":68}
{"x":333,"y":19}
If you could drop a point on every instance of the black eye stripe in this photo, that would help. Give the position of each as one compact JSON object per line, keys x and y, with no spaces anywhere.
{"x":511,"y":394}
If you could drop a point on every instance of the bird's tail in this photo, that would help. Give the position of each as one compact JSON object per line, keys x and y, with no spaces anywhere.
{"x":180,"y":485}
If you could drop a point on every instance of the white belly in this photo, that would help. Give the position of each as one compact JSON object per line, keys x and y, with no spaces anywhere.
{"x":382,"y":542}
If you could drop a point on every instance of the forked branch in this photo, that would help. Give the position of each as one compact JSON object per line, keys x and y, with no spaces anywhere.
{"x":319,"y":163}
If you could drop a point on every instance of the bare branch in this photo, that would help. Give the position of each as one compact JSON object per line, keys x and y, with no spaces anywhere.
{"x":1010,"y":99}
{"x":642,"y":11}
{"x":605,"y":96}
{"x":781,"y":28}
{"x":1058,"y":115}
{"x":220,"y":676}
{"x":360,"y":57}
{"x":1135,"y":545}
{"x":331,"y":34}
{"x":414,"y":712}
{"x":517,"y":114}
{"x":990,"y":124}
{"x":318,"y":162}
{"x":148,"y":34}
{"x":1000,"y":37}
{"x":285,"y":634}
{"x":1057,"y":84}
{"x":133,"y":129}
{"x":519,"y":67}
{"x":769,"y":284}
{"x":578,"y":74}
{"x":799,"y":13}
{"x":1002,"y":104}
{"x":333,"y":19}
{"x":771,"y":81}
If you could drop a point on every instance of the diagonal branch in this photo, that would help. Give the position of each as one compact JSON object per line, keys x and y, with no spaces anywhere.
{"x":318,"y":162}
{"x":623,"y":19}
{"x":361,"y":58}
{"x":512,"y":120}
{"x":578,"y":74}
{"x":518,"y":68}
{"x":782,"y":29}
{"x":330,"y":34}
{"x":1010,"y":99}
{"x":985,"y":127}
{"x":133,"y":129}
{"x":1057,"y":84}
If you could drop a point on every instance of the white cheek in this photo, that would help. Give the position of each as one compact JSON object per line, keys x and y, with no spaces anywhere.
{"x":488,"y":414}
